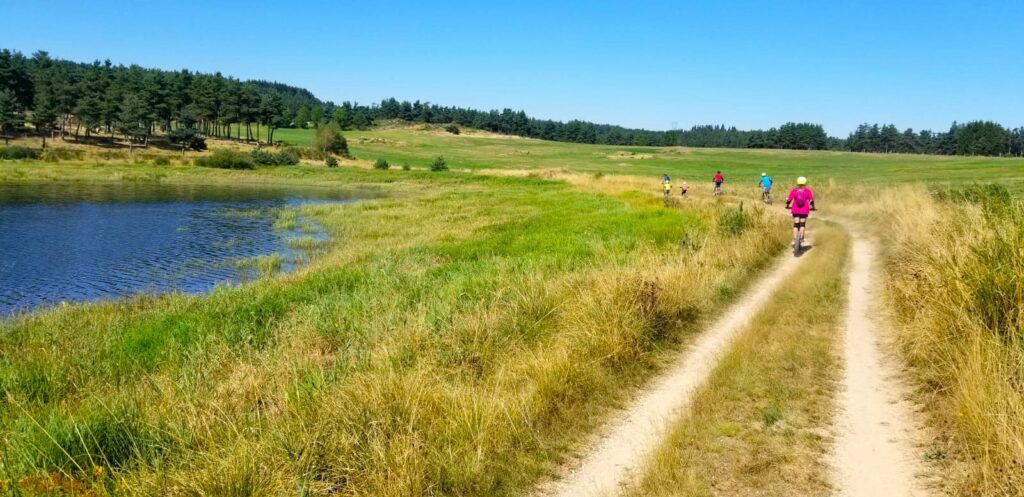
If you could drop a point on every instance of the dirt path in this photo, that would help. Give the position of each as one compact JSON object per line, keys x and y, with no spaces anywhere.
{"x":634,"y":435}
{"x":875,"y":449}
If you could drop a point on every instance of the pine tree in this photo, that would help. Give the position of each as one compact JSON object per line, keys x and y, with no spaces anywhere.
{"x":273,"y":114}
{"x":316,"y":115}
{"x":89,"y":109}
{"x":302,"y":117}
{"x":16,"y":78}
{"x":10,"y":115}
{"x":360,"y":120}
{"x":135,"y":119}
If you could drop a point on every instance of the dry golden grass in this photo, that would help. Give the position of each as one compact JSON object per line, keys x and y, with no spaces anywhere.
{"x":956,"y":291}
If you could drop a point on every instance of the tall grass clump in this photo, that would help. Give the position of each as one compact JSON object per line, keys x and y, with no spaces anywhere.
{"x":55,"y":154}
{"x":285,"y":157}
{"x":734,"y":222}
{"x":19,"y":153}
{"x":957,"y":290}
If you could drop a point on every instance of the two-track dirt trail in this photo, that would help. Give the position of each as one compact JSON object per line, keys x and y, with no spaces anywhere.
{"x":874,"y":451}
{"x":874,"y":454}
{"x":633,"y":436}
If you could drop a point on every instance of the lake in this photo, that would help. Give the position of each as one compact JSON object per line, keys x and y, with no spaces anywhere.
{"x":87,"y":241}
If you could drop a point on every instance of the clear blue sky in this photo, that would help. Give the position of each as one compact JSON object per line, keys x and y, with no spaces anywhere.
{"x":752,"y":64}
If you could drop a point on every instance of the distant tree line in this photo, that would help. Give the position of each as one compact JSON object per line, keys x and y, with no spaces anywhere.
{"x":973,"y":138}
{"x":803,"y":136}
{"x":64,"y":98}
{"x":69,"y":98}
{"x":510,"y":122}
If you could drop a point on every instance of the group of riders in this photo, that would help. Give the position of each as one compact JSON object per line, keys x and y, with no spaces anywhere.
{"x":800,"y":201}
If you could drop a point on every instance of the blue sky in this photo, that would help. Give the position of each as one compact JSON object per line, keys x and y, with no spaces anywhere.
{"x":752,"y":64}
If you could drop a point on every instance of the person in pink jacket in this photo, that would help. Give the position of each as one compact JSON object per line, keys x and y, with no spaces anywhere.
{"x":800,"y":202}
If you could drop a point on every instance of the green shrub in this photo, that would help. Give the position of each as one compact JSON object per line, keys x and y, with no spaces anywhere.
{"x":286,"y":157}
{"x":328,"y":139}
{"x":16,"y":152}
{"x":331,"y":161}
{"x":735,"y":222}
{"x":381,"y":164}
{"x":439,"y":164}
{"x":406,"y":167}
{"x":187,"y":139}
{"x":226,"y":159}
{"x":308,"y":153}
{"x":161,"y":161}
{"x":263,"y":158}
{"x":453,"y":129}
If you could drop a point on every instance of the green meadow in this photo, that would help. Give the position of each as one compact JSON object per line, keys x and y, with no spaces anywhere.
{"x":456,"y":336}
{"x":742,"y":167}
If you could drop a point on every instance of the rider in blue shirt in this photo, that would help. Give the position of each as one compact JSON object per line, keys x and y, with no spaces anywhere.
{"x":766,"y":188}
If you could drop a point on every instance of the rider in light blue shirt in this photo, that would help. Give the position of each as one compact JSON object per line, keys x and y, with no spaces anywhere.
{"x":766,"y":182}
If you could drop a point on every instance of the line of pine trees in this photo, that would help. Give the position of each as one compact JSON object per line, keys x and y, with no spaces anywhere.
{"x":973,"y":138}
{"x":82,"y":100}
{"x":791,"y":135}
{"x":63,"y":98}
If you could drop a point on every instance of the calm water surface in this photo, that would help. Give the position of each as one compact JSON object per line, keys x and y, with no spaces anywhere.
{"x":88,"y":241}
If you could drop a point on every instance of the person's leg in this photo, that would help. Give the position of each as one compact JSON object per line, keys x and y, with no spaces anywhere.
{"x":796,"y":228}
{"x":803,"y":228}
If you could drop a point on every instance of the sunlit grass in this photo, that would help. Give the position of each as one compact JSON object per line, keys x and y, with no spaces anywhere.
{"x":955,"y":286}
{"x":456,"y":338}
{"x":264,"y":265}
{"x":461,"y":332}
{"x":742,"y":167}
{"x":758,"y":426}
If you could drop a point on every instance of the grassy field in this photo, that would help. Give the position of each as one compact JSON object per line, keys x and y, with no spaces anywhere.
{"x":418,"y":146}
{"x":463,"y":333}
{"x":742,"y":168}
{"x":411,"y":358}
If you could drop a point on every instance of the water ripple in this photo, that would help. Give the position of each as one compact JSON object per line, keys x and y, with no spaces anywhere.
{"x":83,"y":242}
